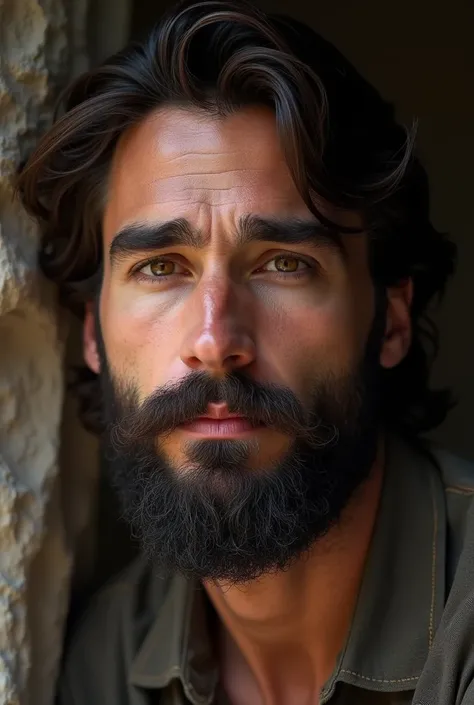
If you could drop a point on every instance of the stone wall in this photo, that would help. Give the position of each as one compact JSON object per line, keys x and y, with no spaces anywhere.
{"x":42,"y":44}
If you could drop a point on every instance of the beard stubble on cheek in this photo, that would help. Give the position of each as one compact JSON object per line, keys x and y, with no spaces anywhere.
{"x":210,"y":515}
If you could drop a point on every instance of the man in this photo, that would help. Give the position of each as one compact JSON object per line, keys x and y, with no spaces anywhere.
{"x":248,"y":229}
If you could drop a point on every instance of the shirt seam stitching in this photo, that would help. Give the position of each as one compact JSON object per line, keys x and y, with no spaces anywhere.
{"x":380,"y":680}
{"x":459,"y":489}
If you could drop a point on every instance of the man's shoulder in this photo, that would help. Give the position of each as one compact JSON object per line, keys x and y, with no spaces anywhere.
{"x":457,"y":477}
{"x":448,"y":676}
{"x":107,"y":637}
{"x":457,"y":473}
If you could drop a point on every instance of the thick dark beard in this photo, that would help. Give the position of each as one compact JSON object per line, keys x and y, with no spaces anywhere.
{"x":217,"y":519}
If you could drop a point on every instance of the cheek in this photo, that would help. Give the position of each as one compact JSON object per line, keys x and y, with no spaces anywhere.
{"x":302,"y":342}
{"x":299,"y":335}
{"x":139,"y":340}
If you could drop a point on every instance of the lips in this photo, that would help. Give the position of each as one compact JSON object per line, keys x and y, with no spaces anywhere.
{"x":219,"y":422}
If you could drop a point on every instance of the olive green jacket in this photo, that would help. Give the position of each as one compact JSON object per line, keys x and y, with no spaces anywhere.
{"x":144,"y":639}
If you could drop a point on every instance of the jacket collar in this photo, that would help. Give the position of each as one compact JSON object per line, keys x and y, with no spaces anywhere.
{"x":402,"y":595}
{"x":178,"y":645}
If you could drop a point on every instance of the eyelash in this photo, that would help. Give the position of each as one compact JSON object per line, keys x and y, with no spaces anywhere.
{"x":311,"y":265}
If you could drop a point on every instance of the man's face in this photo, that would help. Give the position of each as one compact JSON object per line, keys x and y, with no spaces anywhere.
{"x":237,"y":338}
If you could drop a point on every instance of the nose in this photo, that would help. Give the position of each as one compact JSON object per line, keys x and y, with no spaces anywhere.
{"x":220,"y":339}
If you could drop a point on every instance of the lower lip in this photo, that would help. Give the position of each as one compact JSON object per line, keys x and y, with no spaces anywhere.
{"x":219,"y":428}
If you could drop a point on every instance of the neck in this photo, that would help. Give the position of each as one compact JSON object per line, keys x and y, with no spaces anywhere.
{"x":284,"y":631}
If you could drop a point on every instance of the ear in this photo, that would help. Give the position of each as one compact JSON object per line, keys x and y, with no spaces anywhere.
{"x":89,"y":339}
{"x":398,"y":332}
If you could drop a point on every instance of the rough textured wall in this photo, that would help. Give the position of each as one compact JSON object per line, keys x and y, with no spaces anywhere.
{"x":41,"y":44}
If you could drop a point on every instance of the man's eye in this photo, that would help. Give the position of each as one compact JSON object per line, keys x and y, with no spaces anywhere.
{"x":160,"y":268}
{"x":286,"y":264}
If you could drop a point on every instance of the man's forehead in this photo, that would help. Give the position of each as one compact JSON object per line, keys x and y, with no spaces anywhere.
{"x":178,"y":163}
{"x":175,"y":160}
{"x":172,"y":133}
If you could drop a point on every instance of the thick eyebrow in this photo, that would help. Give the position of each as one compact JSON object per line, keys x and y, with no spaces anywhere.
{"x":290,"y":231}
{"x":148,"y":237}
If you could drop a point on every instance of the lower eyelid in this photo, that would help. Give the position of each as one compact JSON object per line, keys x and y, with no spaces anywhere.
{"x":306,"y":265}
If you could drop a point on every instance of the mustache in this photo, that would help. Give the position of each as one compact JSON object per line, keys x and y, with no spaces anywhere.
{"x":177,"y":403}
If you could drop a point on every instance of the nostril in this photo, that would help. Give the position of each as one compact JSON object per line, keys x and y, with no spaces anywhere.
{"x":193,"y":362}
{"x":218,"y":353}
{"x":233,"y":359}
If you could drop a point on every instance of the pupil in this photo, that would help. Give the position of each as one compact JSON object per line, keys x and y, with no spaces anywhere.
{"x":160,"y":267}
{"x":287,"y":263}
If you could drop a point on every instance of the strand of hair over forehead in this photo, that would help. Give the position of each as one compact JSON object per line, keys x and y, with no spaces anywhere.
{"x":102,"y":104}
{"x":257,"y":58}
{"x":279,"y":67}
{"x":261,"y":61}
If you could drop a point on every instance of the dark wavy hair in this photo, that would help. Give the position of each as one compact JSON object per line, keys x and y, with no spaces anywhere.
{"x":340,"y":139}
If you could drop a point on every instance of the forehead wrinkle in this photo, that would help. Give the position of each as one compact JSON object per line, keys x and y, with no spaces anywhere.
{"x":216,"y":172}
{"x":211,"y":179}
{"x":257,"y":181}
{"x":209,"y":154}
